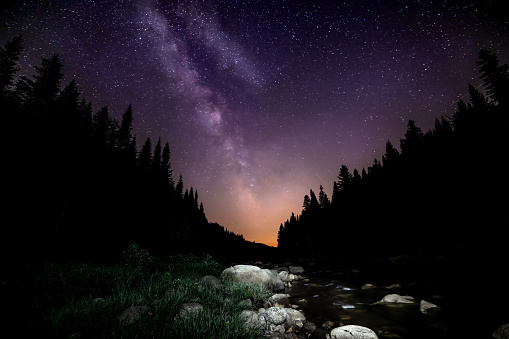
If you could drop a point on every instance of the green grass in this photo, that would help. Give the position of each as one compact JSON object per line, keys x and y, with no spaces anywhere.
{"x":84,"y":301}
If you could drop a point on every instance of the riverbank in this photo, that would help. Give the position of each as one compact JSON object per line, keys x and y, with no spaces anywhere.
{"x":92,"y":301}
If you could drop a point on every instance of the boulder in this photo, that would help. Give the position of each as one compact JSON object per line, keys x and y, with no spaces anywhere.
{"x":250,"y":318}
{"x":277,"y":284}
{"x":189,"y":309}
{"x":426,"y":307}
{"x":133,"y":313}
{"x":309,"y":328}
{"x":295,"y":319}
{"x":254,"y":275}
{"x":296,"y":269}
{"x":283,"y":275}
{"x":279,"y":299}
{"x":502,"y":332}
{"x":211,"y":281}
{"x":287,"y":278}
{"x":368,"y":286}
{"x":275,"y":315}
{"x":352,"y":332}
{"x":396,"y":299}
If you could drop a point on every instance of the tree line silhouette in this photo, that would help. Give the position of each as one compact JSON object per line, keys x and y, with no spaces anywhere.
{"x":443,"y":192}
{"x":74,"y":184}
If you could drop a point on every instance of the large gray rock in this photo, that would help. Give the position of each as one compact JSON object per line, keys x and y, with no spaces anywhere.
{"x":277,"y":283}
{"x":279,"y":299}
{"x":211,"y":281}
{"x":254,"y":275}
{"x":352,"y":332}
{"x":396,"y":299}
{"x":426,"y":307}
{"x":295,"y":319}
{"x":190,"y":309}
{"x":250,"y":317}
{"x":296,"y":269}
{"x":275,"y":315}
{"x":133,"y":313}
{"x":502,"y":332}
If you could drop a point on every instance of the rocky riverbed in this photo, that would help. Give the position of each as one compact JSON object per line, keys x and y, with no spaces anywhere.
{"x":327,"y":301}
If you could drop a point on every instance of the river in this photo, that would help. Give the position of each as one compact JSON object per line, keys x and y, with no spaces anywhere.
{"x":338,"y":297}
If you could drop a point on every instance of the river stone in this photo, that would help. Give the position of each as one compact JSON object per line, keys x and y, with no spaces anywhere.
{"x":283,"y":275}
{"x":249,"y":317}
{"x":368,"y":286}
{"x":188,"y":309}
{"x":295,"y":318}
{"x":309,"y":328}
{"x":211,"y":281}
{"x":397,"y":299}
{"x":254,"y":275}
{"x":502,"y":332}
{"x":133,"y":313}
{"x":296,"y":269}
{"x":426,"y":307}
{"x":352,"y":332}
{"x":275,"y":315}
{"x":277,"y":284}
{"x":279,"y":299}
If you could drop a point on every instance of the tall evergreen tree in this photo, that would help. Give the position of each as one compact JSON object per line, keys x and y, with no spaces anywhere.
{"x":157,"y":158}
{"x":306,"y":204}
{"x":323,"y":200}
{"x":179,"y":189}
{"x":126,"y":127}
{"x":313,"y":201}
{"x":166,"y":165}
{"x":8,"y":60}
{"x":145,"y":156}
{"x":391,"y":155}
{"x":101,"y":125}
{"x":344,"y":177}
{"x":495,"y":76}
{"x":413,"y":138}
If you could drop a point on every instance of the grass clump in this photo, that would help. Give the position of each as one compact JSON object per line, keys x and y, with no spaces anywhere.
{"x":85,"y":301}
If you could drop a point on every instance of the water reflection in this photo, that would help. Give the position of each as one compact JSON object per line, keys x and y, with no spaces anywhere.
{"x":332,"y":297}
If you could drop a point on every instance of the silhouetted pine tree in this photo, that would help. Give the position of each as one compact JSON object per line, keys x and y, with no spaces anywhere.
{"x":145,"y":156}
{"x":425,"y":193}
{"x":413,"y":139}
{"x":126,"y":127}
{"x":166,"y":167}
{"x":8,"y":60}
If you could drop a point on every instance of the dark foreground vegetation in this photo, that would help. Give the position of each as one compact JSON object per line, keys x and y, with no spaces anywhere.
{"x":436,"y":210}
{"x":87,"y":301}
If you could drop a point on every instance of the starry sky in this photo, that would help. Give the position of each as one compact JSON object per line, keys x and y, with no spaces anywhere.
{"x":263,"y":100}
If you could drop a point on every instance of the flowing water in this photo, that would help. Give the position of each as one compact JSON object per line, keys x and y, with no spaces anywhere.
{"x":336,"y":297}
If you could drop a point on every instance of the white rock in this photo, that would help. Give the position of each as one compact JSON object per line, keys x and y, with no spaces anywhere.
{"x":254,"y":275}
{"x":426,"y":307}
{"x":352,"y":332}
{"x":398,"y":299}
{"x":275,"y":315}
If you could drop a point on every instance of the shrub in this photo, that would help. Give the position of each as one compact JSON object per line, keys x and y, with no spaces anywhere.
{"x":138,"y":258}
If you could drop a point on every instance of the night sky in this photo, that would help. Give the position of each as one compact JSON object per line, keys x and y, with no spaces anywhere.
{"x":263,"y":100}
